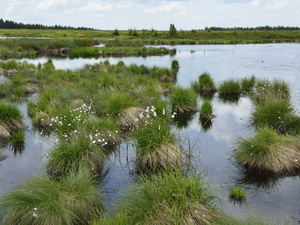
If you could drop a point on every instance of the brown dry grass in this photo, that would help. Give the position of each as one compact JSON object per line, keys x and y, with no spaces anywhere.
{"x":186,"y":109}
{"x":167,"y":157}
{"x":4,"y":133}
{"x":130,"y":118}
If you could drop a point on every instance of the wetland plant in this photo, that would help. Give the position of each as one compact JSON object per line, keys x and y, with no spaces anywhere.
{"x":278,"y":114}
{"x":75,"y":199}
{"x":206,"y":110}
{"x":183,"y":100}
{"x":268,"y":152}
{"x":11,"y":116}
{"x":118,"y":102}
{"x":237,"y":193}
{"x":247,"y":84}
{"x":175,"y":64}
{"x":74,"y":150}
{"x":230,"y":87}
{"x":205,"y":84}
{"x":169,"y":198}
{"x":17,"y":137}
{"x":156,"y":149}
{"x":266,"y":90}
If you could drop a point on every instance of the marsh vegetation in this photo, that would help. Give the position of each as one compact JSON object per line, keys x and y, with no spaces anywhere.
{"x":91,"y":111}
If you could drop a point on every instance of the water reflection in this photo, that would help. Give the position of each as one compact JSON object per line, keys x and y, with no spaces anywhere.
{"x":18,"y":147}
{"x":206,"y":124}
{"x":184,"y":120}
{"x":229,"y":99}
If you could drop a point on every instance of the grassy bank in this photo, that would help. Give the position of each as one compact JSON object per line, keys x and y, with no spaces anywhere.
{"x":162,"y":37}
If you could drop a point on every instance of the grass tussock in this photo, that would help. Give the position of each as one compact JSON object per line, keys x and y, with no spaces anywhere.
{"x":11,"y":116}
{"x":205,"y":84}
{"x":237,"y":193}
{"x":169,"y":198}
{"x":278,"y":114}
{"x":206,"y":110}
{"x":73,"y":200}
{"x":156,"y":148}
{"x":230,"y":87}
{"x":17,"y":137}
{"x":75,"y":150}
{"x":269,"y":152}
{"x":183,"y":100}
{"x":248,"y":83}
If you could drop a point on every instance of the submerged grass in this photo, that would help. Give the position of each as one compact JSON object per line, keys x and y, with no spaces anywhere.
{"x":268,"y":152}
{"x":41,"y":200}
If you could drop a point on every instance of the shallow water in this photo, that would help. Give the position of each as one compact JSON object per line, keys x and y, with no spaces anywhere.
{"x":212,"y":145}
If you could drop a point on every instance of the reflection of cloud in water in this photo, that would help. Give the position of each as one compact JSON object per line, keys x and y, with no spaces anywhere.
{"x":231,"y":121}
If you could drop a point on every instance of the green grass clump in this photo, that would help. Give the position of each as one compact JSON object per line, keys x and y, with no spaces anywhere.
{"x":175,"y":63}
{"x":230,"y":87}
{"x":266,"y":90}
{"x":183,"y":100}
{"x":74,"y":150}
{"x":273,"y":114}
{"x":205,"y":84}
{"x":247,"y":84}
{"x":17,"y":137}
{"x":107,"y":80}
{"x":269,"y":152}
{"x":11,"y":117}
{"x":41,"y":200}
{"x":237,"y":193}
{"x":206,"y":110}
{"x":6,"y":89}
{"x":169,"y":198}
{"x":155,"y":144}
{"x":118,"y":102}
{"x":9,"y":112}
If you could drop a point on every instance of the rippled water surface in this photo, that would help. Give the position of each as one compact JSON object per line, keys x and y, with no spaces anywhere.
{"x":212,"y":143}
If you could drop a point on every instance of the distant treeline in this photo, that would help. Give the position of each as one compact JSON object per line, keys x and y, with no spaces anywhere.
{"x":252,"y":28}
{"x":7,"y":24}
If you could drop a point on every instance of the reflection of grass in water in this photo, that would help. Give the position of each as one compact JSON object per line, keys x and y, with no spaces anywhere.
{"x":206,"y":124}
{"x":229,"y":99}
{"x":183,"y":120}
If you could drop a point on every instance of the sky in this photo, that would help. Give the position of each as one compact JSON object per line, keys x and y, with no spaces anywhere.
{"x":153,"y":14}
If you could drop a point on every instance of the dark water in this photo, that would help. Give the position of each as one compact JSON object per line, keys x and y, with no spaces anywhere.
{"x":212,"y":144}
